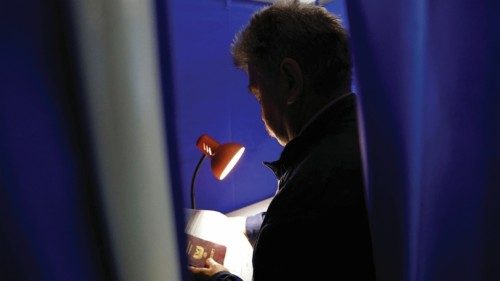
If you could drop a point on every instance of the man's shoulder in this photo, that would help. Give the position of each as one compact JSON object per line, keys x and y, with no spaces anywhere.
{"x":339,"y":150}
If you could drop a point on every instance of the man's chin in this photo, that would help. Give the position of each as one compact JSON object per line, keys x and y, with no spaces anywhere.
{"x":280,"y":141}
{"x":273,"y":135}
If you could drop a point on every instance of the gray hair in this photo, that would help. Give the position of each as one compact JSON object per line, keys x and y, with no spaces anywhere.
{"x":308,"y":34}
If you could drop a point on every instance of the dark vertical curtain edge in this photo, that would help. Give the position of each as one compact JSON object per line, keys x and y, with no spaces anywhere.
{"x":80,"y":132}
{"x":167,"y":90}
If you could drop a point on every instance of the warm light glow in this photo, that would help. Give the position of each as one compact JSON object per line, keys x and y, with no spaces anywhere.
{"x":231,"y":163}
{"x":223,"y":158}
{"x":321,"y":2}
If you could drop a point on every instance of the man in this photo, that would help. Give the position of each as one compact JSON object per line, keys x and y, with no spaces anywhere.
{"x":316,"y":227}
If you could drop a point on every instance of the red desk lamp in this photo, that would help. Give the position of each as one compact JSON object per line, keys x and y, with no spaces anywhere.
{"x":224,"y":157}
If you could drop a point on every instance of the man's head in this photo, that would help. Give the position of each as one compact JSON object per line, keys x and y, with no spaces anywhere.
{"x":292,"y":52}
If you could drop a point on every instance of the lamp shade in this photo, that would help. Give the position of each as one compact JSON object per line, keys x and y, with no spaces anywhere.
{"x":223,"y":156}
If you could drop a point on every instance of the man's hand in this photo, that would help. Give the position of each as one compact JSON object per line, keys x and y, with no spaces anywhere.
{"x":205,"y":273}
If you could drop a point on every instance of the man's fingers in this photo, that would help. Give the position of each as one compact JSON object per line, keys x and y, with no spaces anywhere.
{"x":210,"y":262}
{"x":197,"y":270}
{"x":210,"y":265}
{"x":211,"y":268}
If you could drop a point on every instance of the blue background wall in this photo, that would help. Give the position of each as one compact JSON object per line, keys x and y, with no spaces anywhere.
{"x":211,"y":97}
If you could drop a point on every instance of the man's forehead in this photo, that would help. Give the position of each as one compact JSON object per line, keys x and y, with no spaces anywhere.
{"x":254,"y":75}
{"x":251,"y":70}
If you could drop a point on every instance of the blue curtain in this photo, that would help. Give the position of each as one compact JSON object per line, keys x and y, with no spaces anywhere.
{"x":430,"y":93}
{"x":50,"y":224}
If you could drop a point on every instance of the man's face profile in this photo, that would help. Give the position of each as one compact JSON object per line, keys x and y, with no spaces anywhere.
{"x":269,"y":95}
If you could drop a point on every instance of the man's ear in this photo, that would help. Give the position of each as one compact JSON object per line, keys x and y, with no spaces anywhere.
{"x":292,"y":72}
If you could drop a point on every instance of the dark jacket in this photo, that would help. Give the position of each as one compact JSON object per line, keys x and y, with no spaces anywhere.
{"x":316,"y":227}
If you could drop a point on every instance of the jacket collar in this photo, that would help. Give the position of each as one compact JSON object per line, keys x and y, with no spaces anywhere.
{"x":324,"y":123}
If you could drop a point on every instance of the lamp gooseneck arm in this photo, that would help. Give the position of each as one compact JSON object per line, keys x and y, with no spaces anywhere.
{"x":193,"y":200}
